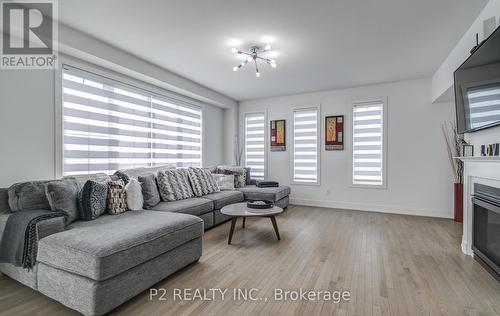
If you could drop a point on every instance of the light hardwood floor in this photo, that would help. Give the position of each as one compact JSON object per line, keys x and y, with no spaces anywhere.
{"x":391,"y":264}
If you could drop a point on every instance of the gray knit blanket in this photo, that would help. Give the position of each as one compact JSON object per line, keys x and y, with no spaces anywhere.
{"x":20,"y":241}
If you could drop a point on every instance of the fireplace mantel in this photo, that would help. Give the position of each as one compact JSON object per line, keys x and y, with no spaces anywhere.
{"x":483,"y":170}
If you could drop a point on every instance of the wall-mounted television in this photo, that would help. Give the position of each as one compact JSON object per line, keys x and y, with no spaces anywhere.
{"x":477,"y":87}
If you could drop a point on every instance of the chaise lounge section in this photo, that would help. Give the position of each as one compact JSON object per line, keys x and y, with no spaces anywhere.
{"x":93,"y":267}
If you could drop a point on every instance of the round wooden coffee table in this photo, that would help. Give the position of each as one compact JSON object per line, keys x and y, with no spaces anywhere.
{"x":241,"y":210}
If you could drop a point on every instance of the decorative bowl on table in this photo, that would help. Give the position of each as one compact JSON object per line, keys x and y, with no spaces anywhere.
{"x":260,"y":204}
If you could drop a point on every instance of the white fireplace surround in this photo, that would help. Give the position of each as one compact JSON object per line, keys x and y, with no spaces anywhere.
{"x":482,"y":170}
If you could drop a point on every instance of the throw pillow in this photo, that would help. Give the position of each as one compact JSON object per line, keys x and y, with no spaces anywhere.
{"x":122,"y":176}
{"x":150,"y":192}
{"x":238,"y":172}
{"x":92,"y":200}
{"x":133,"y":191}
{"x":27,"y":196}
{"x":202,"y":181}
{"x":174,"y":185}
{"x":83,"y":178}
{"x":117,"y":200}
{"x":4,"y":201}
{"x":63,"y":197}
{"x":248,"y":180}
{"x":225,"y":182}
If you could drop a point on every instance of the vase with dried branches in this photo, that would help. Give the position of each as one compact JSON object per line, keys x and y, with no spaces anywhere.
{"x":454,"y":142}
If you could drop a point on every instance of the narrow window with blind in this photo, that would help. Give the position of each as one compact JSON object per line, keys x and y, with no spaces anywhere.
{"x":255,"y":141}
{"x":109,"y":125}
{"x":305,"y":146}
{"x":368,"y":144}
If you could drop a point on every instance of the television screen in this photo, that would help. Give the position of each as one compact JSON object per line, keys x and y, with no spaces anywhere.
{"x":477,"y":87}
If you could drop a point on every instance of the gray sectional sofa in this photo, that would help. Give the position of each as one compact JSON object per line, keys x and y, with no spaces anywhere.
{"x":94,"y":266}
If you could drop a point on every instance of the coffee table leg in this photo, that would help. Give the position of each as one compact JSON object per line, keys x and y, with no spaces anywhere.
{"x":275,"y":225}
{"x":233,"y":223}
{"x":244,"y":220}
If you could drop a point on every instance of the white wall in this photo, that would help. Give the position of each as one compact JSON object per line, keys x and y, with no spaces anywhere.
{"x":27,"y":108}
{"x":419,"y":178}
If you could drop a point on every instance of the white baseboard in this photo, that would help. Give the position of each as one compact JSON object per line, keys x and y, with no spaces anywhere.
{"x":391,"y":209}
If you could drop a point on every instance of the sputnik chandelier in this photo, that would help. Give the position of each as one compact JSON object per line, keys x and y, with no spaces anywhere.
{"x":253,"y":57}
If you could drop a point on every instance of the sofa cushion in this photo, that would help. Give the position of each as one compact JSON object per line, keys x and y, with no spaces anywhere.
{"x":83,"y":178}
{"x":29,"y":195}
{"x":252,"y":192}
{"x":112,"y":244}
{"x":193,"y":206}
{"x":224,"y":198}
{"x":136,"y":172}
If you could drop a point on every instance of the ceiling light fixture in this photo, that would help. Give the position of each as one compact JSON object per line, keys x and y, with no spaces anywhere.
{"x":253,"y":56}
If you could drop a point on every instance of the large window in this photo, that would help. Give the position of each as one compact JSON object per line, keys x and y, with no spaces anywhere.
{"x":368,"y":157}
{"x":255,"y":149}
{"x":305,"y":145}
{"x":108,"y":125}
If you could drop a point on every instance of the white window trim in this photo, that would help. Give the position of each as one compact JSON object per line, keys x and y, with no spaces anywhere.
{"x":385,"y":125}
{"x":266,"y":140}
{"x":318,"y":148}
{"x":104,"y":72}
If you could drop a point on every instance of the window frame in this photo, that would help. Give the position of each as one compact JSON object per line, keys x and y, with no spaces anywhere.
{"x":266,"y":140}
{"x":385,"y":125}
{"x":318,"y":145}
{"x":130,"y":80}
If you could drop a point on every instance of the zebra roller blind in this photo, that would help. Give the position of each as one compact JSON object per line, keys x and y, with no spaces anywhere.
{"x":368,"y":144}
{"x":305,"y":145}
{"x":255,"y":144}
{"x":109,"y":125}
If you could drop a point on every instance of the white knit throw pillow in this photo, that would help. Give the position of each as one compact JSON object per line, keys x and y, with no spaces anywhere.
{"x":133,"y":191}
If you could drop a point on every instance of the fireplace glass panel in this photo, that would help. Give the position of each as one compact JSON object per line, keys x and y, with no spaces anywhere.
{"x":487,"y":232}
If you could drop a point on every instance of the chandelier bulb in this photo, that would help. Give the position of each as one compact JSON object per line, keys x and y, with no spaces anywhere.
{"x":257,"y":74}
{"x":234,"y":50}
{"x":235,"y":68}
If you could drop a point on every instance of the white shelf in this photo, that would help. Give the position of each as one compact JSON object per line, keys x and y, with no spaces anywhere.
{"x":479,"y":158}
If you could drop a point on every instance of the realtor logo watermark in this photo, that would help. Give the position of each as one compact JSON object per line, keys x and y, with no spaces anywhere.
{"x":29,"y":34}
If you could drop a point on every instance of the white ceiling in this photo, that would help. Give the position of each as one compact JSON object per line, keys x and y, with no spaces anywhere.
{"x":321,"y":44}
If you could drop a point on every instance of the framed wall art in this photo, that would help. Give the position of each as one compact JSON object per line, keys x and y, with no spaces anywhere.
{"x":334,"y":132}
{"x":278,"y":135}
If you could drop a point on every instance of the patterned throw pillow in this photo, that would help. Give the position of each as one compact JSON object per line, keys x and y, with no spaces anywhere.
{"x":238,"y":172}
{"x":92,"y":200}
{"x":117,"y":197}
{"x":174,"y":185}
{"x":202,"y":181}
{"x":225,"y":182}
